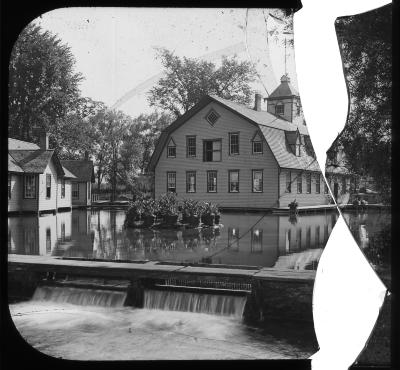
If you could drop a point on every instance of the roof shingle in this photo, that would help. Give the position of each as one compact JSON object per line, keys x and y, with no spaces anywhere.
{"x":14,"y":144}
{"x":81,"y":169}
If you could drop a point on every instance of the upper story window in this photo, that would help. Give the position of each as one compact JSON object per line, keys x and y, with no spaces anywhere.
{"x":48,"y":185}
{"x":191,"y":146}
{"x":9,"y":186}
{"x":233,"y":143}
{"x":279,"y":109}
{"x":212,"y":150}
{"x":171,"y":182}
{"x":29,"y":186}
{"x":326,"y":185}
{"x":298,"y":145}
{"x":308,"y":180}
{"x":75,"y":190}
{"x":288,"y":182}
{"x":171,"y":149}
{"x":318,"y":183}
{"x":62,"y":188}
{"x":257,"y":145}
{"x":212,"y":117}
{"x":299,"y":183}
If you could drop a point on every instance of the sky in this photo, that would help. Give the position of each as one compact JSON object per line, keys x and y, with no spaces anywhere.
{"x":114,"y":48}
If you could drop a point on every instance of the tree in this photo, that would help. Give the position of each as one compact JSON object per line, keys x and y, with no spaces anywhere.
{"x":139,"y":144}
{"x":109,"y":129}
{"x":43,"y":86}
{"x":365,"y":43}
{"x":188,"y":80}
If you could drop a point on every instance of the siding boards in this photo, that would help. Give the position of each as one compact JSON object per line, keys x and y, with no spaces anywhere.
{"x":48,"y":203}
{"x":302,"y":199}
{"x":15,"y":202}
{"x":244,"y":162}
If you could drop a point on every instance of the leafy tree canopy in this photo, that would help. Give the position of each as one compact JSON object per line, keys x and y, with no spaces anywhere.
{"x":366,"y":47}
{"x":43,"y":86}
{"x":188,"y":80}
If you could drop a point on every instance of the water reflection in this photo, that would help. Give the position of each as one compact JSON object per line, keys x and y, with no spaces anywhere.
{"x":244,"y":239}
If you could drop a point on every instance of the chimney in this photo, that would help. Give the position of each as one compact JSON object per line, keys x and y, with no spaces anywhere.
{"x":257,"y":102}
{"x":43,"y":140}
{"x":86,"y":155}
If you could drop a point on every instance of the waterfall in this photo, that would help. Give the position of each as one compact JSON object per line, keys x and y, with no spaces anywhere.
{"x":217,"y":304}
{"x":79,"y":296}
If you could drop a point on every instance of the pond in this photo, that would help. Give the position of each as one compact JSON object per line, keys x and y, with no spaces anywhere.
{"x":245,"y":239}
{"x":89,"y":332}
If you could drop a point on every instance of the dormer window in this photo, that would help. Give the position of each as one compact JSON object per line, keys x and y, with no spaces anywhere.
{"x":257,"y":144}
{"x":212,"y":117}
{"x":171,"y":149}
{"x":279,"y":109}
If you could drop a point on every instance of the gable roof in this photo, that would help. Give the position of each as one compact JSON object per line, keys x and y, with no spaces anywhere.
{"x":82,"y":169}
{"x":272,"y":127}
{"x":13,"y":165}
{"x":35,"y":161}
{"x":14,"y":144}
{"x":68,"y":174}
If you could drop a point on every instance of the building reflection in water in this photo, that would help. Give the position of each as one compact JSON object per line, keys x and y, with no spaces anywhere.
{"x":245,"y":239}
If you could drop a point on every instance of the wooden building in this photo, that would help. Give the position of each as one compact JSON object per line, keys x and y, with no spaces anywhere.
{"x":241,"y":157}
{"x":83,"y":171}
{"x":37,"y":182}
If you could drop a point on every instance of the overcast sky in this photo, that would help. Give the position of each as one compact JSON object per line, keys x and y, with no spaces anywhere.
{"x":114,"y":47}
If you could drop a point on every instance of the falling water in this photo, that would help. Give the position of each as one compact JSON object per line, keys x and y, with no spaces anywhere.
{"x":217,"y":304}
{"x":79,"y":296}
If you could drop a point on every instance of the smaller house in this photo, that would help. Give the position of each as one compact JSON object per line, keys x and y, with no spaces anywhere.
{"x":37,"y":182}
{"x":83,"y":171}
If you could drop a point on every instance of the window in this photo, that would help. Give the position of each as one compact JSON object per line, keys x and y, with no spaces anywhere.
{"x":299,"y":183}
{"x":256,"y":240}
{"x":190,"y":182}
{"x":344,"y":187}
{"x":308,"y":180}
{"x":298,"y":145}
{"x":257,"y":144}
{"x":212,"y":150}
{"x":212,"y":117}
{"x":191,"y":146}
{"x":326,"y":233}
{"x":88,"y":190}
{"x":171,"y":149}
{"x":234,"y":181}
{"x":318,"y":183}
{"x":9,"y":186}
{"x":326,"y":185}
{"x":257,"y":181}
{"x":171,"y":182}
{"x":29,"y":186}
{"x":298,"y":108}
{"x":48,"y":185}
{"x":211,"y":181}
{"x":75,"y":190}
{"x":233,"y":143}
{"x":279,"y":109}
{"x":62,"y":188}
{"x":288,"y":182}
{"x":233,"y":239}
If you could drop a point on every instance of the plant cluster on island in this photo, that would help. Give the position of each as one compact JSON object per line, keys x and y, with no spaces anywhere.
{"x":168,"y":211}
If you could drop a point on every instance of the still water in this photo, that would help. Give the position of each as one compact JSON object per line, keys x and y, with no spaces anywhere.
{"x":251,"y":239}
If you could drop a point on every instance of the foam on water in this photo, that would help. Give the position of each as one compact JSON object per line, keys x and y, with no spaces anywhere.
{"x":78,"y":296}
{"x":217,"y":304}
